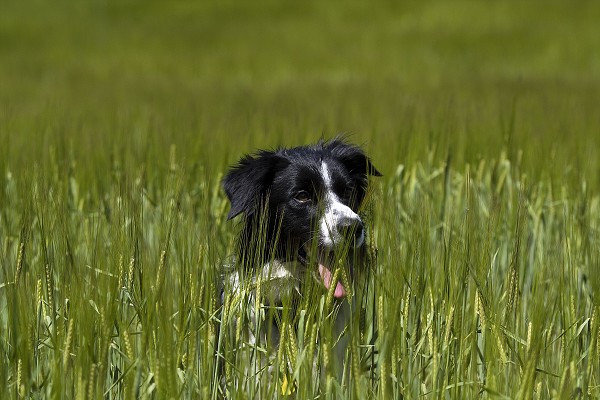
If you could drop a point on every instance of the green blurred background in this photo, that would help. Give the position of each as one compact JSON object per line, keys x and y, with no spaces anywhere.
{"x":118,"y":119}
{"x":412,"y":80}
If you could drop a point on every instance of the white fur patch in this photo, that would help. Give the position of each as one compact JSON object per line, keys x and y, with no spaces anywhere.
{"x":325,"y":175}
{"x":334,"y":212}
{"x":272,"y":270}
{"x":279,"y":270}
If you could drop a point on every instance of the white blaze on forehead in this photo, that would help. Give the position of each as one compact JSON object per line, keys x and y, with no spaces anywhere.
{"x":325,"y":175}
{"x":334,"y":212}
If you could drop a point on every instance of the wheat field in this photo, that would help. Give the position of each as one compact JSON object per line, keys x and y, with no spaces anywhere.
{"x":119,"y":119}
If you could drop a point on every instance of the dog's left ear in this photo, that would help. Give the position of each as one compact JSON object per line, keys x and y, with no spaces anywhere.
{"x":247,"y":183}
{"x":353,"y":158}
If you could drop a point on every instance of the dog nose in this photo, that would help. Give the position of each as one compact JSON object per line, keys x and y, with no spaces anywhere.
{"x":354,"y":227}
{"x":358,"y":231}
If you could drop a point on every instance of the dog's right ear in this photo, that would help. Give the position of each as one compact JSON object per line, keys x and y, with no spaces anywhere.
{"x":247,"y":182}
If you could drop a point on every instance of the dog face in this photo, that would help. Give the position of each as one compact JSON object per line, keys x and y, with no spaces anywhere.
{"x":311,"y":196}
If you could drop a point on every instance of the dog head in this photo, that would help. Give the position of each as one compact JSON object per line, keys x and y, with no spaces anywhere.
{"x":310,"y":196}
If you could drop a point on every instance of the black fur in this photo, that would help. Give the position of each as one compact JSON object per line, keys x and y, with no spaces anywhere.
{"x":269,"y":181}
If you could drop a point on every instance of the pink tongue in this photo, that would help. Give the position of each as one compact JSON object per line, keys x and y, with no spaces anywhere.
{"x":326,"y":275}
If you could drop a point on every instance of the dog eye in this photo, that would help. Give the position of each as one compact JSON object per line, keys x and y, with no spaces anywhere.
{"x":302,"y":196}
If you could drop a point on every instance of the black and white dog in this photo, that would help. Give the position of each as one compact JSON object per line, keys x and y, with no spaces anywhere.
{"x":301,"y":211}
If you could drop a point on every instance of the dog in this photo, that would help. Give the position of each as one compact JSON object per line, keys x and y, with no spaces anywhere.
{"x":300,"y":210}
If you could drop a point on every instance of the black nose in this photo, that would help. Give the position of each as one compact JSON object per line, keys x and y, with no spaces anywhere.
{"x":358,"y":230}
{"x":351,"y":226}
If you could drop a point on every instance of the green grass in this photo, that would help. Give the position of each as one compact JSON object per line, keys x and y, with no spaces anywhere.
{"x":118,"y":119}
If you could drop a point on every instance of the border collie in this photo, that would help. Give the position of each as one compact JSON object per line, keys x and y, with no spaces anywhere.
{"x":300,"y":210}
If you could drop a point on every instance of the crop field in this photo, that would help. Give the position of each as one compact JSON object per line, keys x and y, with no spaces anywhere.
{"x":118,"y":120}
